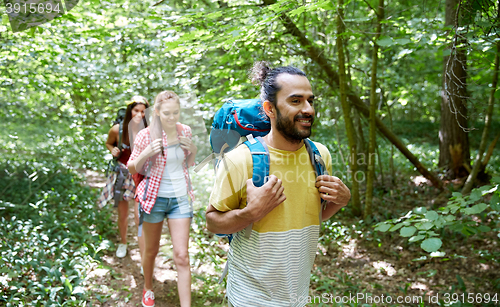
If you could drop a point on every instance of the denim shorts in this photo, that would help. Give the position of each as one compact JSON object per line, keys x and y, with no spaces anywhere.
{"x":169,"y":208}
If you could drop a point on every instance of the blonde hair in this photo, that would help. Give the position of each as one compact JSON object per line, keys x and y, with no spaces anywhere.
{"x":155,"y":128}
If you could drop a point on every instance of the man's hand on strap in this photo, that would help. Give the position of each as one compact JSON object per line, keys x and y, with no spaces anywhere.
{"x":262,"y":200}
{"x":332,"y":189}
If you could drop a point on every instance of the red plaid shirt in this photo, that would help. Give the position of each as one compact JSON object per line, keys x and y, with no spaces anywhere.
{"x":142,"y":140}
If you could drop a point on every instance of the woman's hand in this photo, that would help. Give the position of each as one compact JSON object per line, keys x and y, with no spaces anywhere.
{"x":153,"y":148}
{"x":187,"y":144}
{"x":115,"y":152}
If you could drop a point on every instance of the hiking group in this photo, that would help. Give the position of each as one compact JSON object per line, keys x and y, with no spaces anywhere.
{"x":270,"y":194}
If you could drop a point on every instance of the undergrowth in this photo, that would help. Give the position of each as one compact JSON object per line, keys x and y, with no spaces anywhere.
{"x":50,"y":233}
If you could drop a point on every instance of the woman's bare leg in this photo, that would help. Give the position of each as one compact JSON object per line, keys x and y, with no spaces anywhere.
{"x":152,"y":235}
{"x":179,"y":230}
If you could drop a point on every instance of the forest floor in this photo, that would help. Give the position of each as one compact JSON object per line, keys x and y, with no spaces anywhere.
{"x":362,"y":262}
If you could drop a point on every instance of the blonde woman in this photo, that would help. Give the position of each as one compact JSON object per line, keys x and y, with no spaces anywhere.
{"x":165,"y":151}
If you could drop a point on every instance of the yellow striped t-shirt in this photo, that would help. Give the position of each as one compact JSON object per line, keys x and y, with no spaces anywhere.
{"x":273,"y":266}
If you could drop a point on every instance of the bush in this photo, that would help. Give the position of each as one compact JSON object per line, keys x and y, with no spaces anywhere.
{"x":50,"y":234}
{"x":421,"y":224}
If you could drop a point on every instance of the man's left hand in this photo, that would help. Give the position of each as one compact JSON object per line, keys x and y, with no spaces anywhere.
{"x":332,"y":189}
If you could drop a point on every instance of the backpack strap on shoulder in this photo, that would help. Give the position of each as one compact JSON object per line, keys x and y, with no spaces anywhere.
{"x":260,"y":159}
{"x":120,"y":134}
{"x":319,"y":167}
{"x":315,"y":156}
{"x":148,"y":175}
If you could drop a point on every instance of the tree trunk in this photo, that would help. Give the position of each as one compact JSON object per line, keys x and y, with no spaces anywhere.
{"x":370,"y":178}
{"x":332,"y":79}
{"x":453,"y":138}
{"x":360,"y":140}
{"x":490,"y":150}
{"x":349,"y":127}
{"x":487,"y":124}
{"x":380,"y":165}
{"x":391,"y":158}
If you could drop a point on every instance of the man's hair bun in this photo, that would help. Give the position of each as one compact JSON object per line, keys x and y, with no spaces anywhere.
{"x":259,"y":71}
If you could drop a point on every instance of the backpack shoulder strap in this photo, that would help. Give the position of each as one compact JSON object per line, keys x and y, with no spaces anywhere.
{"x":319,"y":167}
{"x":120,"y":134}
{"x":315,"y":156}
{"x":260,"y":159}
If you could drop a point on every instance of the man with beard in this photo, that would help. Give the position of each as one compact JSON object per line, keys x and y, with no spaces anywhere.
{"x":272,"y":267}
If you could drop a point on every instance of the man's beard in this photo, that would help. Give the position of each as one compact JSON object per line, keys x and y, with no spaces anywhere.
{"x":289,"y":130}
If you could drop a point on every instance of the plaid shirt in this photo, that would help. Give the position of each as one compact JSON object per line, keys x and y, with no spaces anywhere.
{"x":142,"y":140}
{"x":108,"y":191}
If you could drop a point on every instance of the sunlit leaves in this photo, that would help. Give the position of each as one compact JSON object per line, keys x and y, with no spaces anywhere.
{"x":385,"y":41}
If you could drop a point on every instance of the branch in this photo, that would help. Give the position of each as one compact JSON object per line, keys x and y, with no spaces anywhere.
{"x":332,"y":79}
{"x":158,"y":3}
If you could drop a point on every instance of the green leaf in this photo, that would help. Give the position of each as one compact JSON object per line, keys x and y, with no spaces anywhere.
{"x":475,"y":209}
{"x":403,"y":41}
{"x":449,"y":218}
{"x":425,"y":226}
{"x":416,"y":238}
{"x":385,"y":41}
{"x":383,"y":227}
{"x":475,"y":195}
{"x":495,"y":202}
{"x":431,"y":245}
{"x":432,"y":215}
{"x":327,"y":5}
{"x":396,"y":227}
{"x":407,"y":231}
{"x":484,"y":228}
{"x":69,"y":285}
{"x":32,"y":32}
{"x":297,"y":11}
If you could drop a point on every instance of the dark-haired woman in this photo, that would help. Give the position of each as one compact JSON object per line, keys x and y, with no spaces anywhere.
{"x":132,"y":123}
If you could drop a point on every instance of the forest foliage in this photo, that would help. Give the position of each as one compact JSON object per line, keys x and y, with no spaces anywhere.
{"x":62,"y":82}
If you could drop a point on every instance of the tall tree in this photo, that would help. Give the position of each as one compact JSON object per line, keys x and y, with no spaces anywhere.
{"x":370,"y":178}
{"x":453,"y":138}
{"x":349,"y":127}
{"x":487,"y":123}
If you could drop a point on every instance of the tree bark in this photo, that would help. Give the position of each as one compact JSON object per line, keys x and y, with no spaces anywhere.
{"x":490,"y":150}
{"x":360,"y":139}
{"x":332,"y":78}
{"x":453,"y":138}
{"x":349,"y":127}
{"x":370,"y":178}
{"x":487,"y":124}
